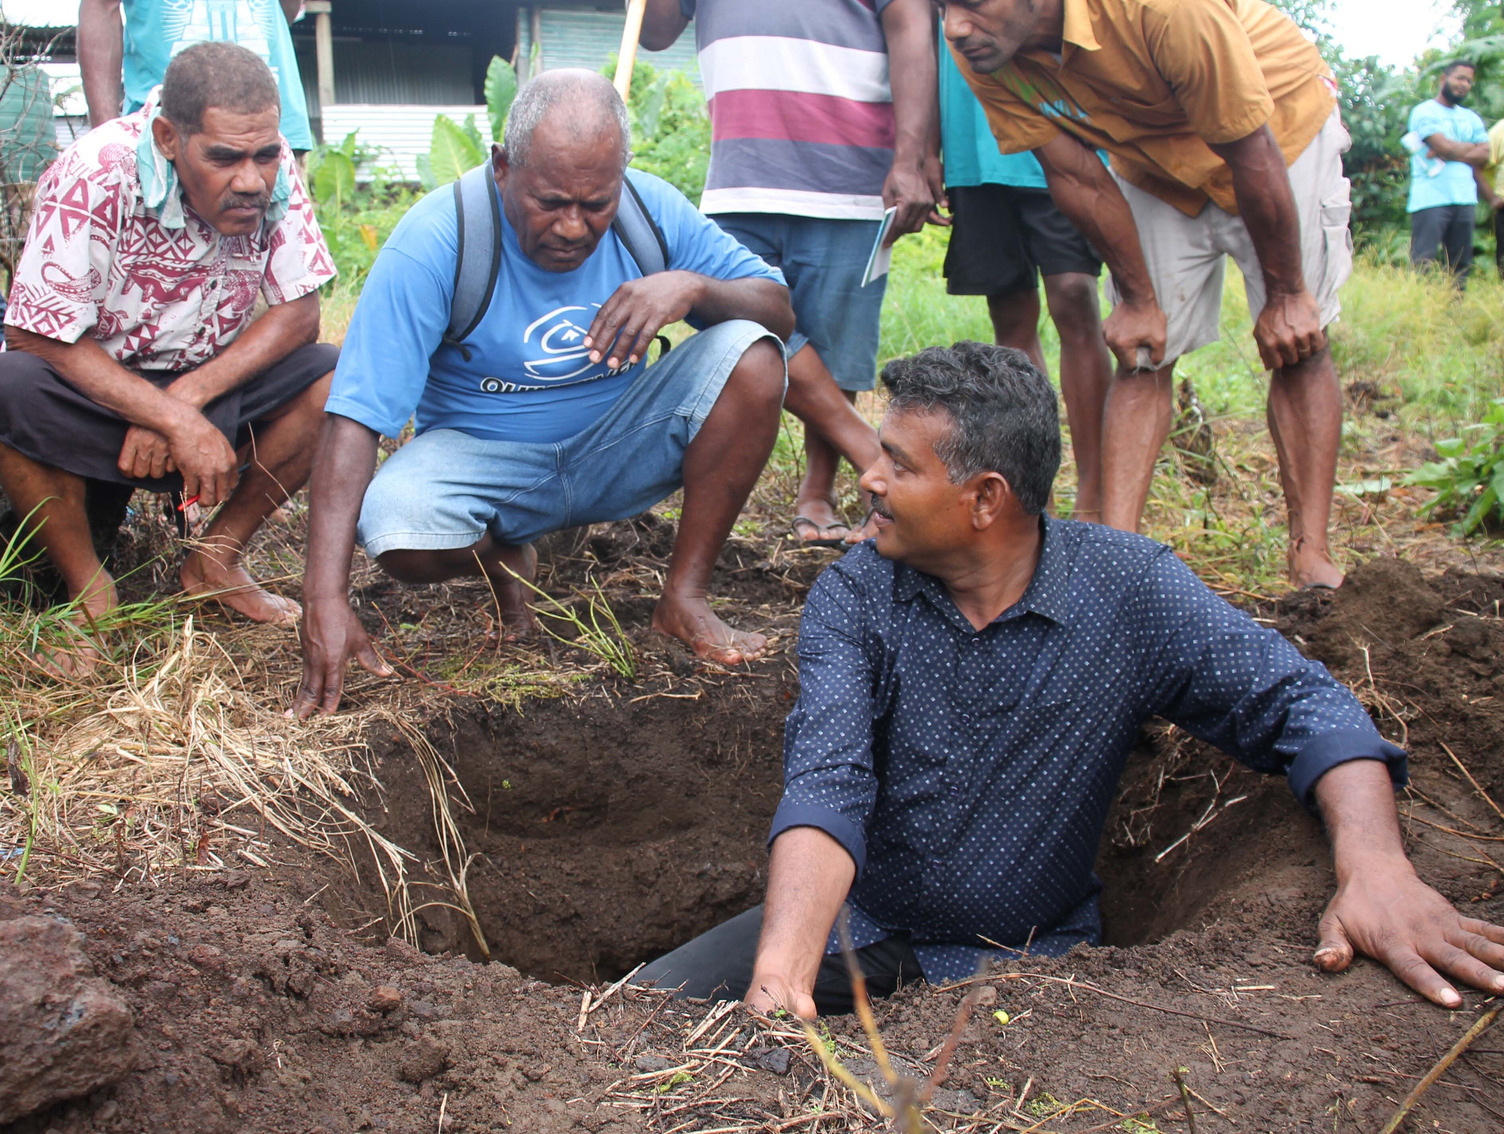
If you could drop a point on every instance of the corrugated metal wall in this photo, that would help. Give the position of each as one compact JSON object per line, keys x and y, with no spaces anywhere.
{"x":399,"y":132}
{"x":586,"y":36}
{"x":391,"y":72}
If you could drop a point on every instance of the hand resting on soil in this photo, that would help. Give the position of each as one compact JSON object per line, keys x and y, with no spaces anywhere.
{"x":1383,"y":909}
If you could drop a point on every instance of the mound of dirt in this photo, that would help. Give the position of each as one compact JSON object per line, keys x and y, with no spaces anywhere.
{"x":612,"y":825}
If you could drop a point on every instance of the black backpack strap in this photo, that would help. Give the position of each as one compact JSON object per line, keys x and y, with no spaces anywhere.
{"x":635,"y":227}
{"x":478,"y":213}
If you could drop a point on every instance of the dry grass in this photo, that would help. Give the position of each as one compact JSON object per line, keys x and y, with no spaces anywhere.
{"x":175,"y":755}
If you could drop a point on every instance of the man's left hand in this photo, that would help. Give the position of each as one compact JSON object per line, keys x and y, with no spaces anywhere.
{"x":145,"y":454}
{"x":627,"y":323}
{"x":1389,"y":914}
{"x":907,"y":188}
{"x":1288,"y":330}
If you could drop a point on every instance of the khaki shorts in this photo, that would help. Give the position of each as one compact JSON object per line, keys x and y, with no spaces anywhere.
{"x":1185,"y":254}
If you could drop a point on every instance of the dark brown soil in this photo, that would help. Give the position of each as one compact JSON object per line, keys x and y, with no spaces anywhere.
{"x":614,"y":824}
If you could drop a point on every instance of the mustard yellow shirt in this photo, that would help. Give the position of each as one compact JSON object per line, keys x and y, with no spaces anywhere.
{"x":1494,"y":170}
{"x":1153,"y":81}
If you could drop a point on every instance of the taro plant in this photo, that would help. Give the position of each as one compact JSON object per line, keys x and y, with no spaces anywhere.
{"x":456,"y":148}
{"x":1469,"y":478}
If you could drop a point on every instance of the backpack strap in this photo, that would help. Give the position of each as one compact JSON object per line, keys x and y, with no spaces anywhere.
{"x":478,"y":212}
{"x":635,"y":227}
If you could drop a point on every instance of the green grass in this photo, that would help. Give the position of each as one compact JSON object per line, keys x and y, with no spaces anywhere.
{"x":1410,"y":334}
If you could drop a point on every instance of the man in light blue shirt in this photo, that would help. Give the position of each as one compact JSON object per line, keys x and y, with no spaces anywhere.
{"x":1445,"y":171}
{"x":1006,"y":232}
{"x":121,"y":65}
{"x":547,"y":415}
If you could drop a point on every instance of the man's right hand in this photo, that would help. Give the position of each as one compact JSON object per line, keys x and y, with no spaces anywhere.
{"x":207,"y":461}
{"x":769,"y":992}
{"x":1136,"y":333}
{"x":332,"y":635}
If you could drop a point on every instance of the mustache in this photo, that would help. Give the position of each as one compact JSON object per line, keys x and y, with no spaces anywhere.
{"x":878,"y":507}
{"x":260,"y":201}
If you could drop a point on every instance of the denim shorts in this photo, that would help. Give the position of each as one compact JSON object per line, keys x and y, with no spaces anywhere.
{"x":444,"y":489}
{"x":823,"y":261}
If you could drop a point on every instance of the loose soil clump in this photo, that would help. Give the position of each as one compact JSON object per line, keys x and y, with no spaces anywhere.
{"x":617,"y":821}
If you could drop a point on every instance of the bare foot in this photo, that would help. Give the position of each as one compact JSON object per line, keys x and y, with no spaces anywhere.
{"x":75,"y":652}
{"x":232,"y":586}
{"x":75,"y":658}
{"x":693,"y":623}
{"x":1311,"y":564}
{"x":514,"y":598}
{"x":867,"y":531}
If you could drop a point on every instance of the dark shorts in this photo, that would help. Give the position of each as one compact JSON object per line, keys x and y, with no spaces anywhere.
{"x":46,"y":418}
{"x":1003,"y":237}
{"x":717,"y":965}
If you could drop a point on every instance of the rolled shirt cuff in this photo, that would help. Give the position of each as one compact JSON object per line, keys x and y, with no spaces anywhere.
{"x":795,"y":813}
{"x":1325,"y":752}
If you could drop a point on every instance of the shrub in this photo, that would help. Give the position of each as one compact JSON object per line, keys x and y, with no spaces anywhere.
{"x":1469,"y":478}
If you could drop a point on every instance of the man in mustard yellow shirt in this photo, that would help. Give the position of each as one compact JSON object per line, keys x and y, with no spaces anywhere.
{"x":1220,"y":119}
{"x":1491,"y":189}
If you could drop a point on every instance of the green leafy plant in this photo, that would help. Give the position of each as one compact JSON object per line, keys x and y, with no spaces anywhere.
{"x":356,"y":216}
{"x":1469,"y":478}
{"x":456,"y":148}
{"x":331,"y":173}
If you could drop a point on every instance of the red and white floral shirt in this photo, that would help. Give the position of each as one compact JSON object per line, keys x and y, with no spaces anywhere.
{"x":100,"y":262}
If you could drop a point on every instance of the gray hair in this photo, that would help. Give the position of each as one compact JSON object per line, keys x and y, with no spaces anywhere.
{"x":591,"y":96}
{"x":1004,"y":414}
{"x":216,"y":75}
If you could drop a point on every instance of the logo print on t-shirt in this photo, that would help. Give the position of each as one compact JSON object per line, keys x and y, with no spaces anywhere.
{"x":557,"y":342}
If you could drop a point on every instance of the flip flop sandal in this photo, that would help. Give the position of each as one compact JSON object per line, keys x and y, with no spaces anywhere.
{"x":821,"y":540}
{"x":867,"y":519}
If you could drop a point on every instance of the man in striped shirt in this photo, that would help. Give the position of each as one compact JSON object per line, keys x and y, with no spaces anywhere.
{"x":810,"y":142}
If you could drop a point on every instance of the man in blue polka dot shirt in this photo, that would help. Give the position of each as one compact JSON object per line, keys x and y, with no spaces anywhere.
{"x":971,"y":683}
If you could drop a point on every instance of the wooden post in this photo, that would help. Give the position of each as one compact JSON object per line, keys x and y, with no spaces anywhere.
{"x":627,"y":56}
{"x":323,"y":44}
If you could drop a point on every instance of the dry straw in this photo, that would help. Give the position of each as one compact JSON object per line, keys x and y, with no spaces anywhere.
{"x":178,"y":758}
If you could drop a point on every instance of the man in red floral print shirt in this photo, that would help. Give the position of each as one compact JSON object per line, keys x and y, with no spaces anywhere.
{"x":133,"y":357}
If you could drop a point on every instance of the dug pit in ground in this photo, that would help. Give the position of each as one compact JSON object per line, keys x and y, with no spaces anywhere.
{"x":609,"y":828}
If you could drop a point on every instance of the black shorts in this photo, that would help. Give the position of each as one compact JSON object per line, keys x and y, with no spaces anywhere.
{"x":1002,"y":235}
{"x":46,"y":418}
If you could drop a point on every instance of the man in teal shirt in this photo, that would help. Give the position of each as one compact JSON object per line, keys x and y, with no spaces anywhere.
{"x":1450,"y":149}
{"x":121,"y":65}
{"x":1006,"y":232}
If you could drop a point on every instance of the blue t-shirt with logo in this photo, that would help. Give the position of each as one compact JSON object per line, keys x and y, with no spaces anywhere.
{"x":1454,"y":185}
{"x":156,"y":30}
{"x":529,"y":377}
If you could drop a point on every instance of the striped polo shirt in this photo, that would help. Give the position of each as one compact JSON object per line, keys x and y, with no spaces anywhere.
{"x":801,"y":116}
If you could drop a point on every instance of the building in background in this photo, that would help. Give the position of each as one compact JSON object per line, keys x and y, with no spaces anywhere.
{"x":384,"y":69}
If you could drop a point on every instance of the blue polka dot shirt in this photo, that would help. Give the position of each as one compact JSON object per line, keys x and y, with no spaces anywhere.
{"x":968,"y":773}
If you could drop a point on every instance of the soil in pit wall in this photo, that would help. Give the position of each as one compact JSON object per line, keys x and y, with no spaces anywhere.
{"x":609,"y":829}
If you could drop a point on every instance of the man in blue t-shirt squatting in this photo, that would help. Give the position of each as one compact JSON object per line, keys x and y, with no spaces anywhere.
{"x":548,"y":416}
{"x":1445,"y":176}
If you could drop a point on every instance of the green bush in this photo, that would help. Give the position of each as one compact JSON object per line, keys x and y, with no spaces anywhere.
{"x":670,"y":129}
{"x":1469,"y":478}
{"x":356,"y":218}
